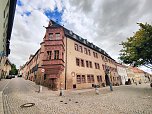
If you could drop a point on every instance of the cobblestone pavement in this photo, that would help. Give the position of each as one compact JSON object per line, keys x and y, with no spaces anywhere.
{"x":12,"y":101}
{"x":123,"y":100}
{"x":3,"y":83}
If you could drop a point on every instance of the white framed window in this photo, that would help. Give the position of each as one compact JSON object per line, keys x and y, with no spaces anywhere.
{"x":57,"y":35}
{"x":50,"y":36}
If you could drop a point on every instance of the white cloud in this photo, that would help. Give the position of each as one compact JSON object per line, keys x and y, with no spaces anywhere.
{"x":59,"y":5}
{"x":105,"y":23}
{"x":27,"y":34}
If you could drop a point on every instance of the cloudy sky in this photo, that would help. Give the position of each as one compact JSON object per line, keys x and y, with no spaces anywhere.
{"x":106,"y":23}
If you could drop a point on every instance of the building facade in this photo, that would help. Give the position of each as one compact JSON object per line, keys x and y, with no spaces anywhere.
{"x":7,"y":68}
{"x":122,"y":73}
{"x":70,"y":62}
{"x":7,"y":11}
{"x":139,"y":75}
{"x":130,"y":74}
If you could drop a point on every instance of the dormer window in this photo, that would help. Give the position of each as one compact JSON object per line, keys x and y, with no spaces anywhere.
{"x":50,"y":36}
{"x":57,"y":35}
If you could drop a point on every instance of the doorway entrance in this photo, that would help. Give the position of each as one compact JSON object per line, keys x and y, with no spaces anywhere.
{"x":53,"y":84}
{"x":107,"y":80}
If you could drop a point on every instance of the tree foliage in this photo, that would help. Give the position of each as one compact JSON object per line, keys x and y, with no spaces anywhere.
{"x":13,"y":71}
{"x":137,"y":50}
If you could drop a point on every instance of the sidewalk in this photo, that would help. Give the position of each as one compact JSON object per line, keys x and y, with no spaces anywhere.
{"x":35,"y":87}
{"x":45,"y":90}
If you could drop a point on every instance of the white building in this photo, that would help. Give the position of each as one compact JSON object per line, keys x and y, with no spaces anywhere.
{"x":121,"y":69}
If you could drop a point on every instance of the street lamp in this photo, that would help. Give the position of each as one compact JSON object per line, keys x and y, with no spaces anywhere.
{"x":108,"y":73}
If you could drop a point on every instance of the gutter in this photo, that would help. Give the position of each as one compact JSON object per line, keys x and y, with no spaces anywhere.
{"x":66,"y":66}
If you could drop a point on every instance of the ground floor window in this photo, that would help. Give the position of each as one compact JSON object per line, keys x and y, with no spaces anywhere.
{"x":99,"y":79}
{"x":90,"y":78}
{"x":81,"y":79}
{"x":78,"y":79}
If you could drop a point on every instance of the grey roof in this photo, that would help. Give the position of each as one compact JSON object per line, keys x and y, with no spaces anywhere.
{"x":79,"y":39}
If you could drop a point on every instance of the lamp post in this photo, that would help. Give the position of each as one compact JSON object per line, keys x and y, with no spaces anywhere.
{"x":108,"y":73}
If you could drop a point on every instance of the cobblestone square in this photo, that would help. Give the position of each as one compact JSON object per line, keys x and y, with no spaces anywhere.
{"x":123,"y":100}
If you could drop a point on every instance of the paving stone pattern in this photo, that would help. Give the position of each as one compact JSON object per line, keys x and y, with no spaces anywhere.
{"x":123,"y":100}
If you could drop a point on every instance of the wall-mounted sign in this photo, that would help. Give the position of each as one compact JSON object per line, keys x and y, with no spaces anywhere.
{"x":43,"y":70}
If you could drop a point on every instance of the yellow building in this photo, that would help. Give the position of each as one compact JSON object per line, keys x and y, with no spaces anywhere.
{"x":6,"y":69}
{"x":139,"y":75}
{"x":7,"y":11}
{"x":70,"y":62}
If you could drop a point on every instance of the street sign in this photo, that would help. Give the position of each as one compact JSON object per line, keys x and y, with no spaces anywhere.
{"x":43,"y":70}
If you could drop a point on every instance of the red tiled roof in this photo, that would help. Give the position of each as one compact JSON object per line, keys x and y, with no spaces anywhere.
{"x":136,"y":70}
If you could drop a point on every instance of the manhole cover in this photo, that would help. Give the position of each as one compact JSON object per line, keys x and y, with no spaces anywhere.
{"x":27,"y":105}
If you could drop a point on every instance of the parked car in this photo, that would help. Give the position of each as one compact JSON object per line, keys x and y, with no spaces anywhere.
{"x":19,"y":75}
{"x":13,"y":76}
{"x":8,"y":77}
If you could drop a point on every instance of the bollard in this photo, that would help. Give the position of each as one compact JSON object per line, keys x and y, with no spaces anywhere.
{"x":40,"y":89}
{"x":61,"y":92}
{"x":97,"y":90}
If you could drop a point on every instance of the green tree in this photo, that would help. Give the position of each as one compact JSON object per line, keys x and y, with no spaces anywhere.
{"x":13,"y":71}
{"x":137,"y":50}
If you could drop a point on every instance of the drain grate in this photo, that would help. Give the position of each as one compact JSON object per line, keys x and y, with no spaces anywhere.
{"x":27,"y":105}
